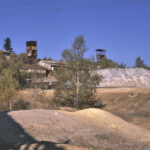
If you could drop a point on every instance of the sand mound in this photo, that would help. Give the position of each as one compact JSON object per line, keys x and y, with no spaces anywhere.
{"x":89,"y":129}
{"x":104,"y":119}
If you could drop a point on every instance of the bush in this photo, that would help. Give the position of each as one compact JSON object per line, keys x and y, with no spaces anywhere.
{"x":21,"y":105}
{"x":108,"y":63}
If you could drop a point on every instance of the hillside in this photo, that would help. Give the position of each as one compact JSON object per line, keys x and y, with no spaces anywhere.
{"x":89,"y":129}
{"x":131,"y":104}
{"x":123,"y":123}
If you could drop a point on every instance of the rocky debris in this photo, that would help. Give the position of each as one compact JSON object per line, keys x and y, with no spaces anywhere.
{"x":128,"y":77}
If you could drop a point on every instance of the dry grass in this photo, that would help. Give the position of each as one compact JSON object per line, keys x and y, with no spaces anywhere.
{"x":131,"y":104}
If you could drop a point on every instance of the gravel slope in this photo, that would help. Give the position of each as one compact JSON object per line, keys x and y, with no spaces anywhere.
{"x":129,"y":77}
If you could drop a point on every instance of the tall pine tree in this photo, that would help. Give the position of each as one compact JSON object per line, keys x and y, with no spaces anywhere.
{"x":7,"y":45}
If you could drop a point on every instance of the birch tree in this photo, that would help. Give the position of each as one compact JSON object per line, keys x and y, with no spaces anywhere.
{"x":76,"y":80}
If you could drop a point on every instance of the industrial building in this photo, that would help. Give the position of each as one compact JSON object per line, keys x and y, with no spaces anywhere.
{"x":100,"y":54}
{"x":38,"y":74}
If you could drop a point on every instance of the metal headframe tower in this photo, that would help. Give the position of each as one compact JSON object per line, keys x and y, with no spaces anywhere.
{"x":100,"y":54}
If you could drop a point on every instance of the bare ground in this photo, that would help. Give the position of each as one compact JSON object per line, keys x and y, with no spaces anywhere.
{"x":90,"y":129}
{"x":131,"y":104}
{"x":86,"y":129}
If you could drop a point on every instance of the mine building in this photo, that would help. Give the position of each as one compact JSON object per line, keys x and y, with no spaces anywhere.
{"x":38,"y":74}
{"x":50,"y":65}
{"x":31,"y":47}
{"x":100,"y":55}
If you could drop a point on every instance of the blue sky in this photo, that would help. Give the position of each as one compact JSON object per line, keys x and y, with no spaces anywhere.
{"x":122,"y":27}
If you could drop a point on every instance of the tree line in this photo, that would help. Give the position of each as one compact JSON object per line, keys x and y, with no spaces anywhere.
{"x":108,"y":63}
{"x":11,"y":79}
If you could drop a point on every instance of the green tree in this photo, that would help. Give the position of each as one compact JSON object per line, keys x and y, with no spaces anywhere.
{"x":76,"y":80}
{"x":8,"y":87}
{"x":121,"y":65}
{"x":45,"y":58}
{"x":39,"y":59}
{"x":15,"y":65}
{"x":3,"y":62}
{"x":49,"y":59}
{"x":11,"y":79}
{"x":7,"y":45}
{"x":22,"y":57}
{"x":139,"y":63}
{"x":108,"y":63}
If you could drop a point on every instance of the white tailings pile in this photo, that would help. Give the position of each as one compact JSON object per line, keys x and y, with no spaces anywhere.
{"x":129,"y":77}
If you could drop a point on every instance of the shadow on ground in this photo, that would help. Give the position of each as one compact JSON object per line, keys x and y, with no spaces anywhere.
{"x":13,"y":137}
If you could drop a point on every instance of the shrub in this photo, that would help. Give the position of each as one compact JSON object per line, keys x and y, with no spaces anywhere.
{"x":21,"y":104}
{"x":45,"y":101}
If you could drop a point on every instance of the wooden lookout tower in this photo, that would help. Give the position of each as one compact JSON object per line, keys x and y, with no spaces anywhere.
{"x":31,"y":47}
{"x":100,"y":54}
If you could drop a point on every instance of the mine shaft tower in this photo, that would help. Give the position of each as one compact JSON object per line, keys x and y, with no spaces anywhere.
{"x":100,"y":54}
{"x":31,"y":47}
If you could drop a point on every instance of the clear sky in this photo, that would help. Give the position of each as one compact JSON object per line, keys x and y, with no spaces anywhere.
{"x":122,"y":27}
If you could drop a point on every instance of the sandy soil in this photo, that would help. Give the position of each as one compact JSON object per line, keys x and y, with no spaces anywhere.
{"x":131,"y":104}
{"x":86,"y":129}
{"x":89,"y":129}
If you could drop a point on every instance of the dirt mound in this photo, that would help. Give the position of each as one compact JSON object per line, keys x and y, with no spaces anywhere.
{"x":89,"y":129}
{"x":131,"y":104}
{"x":104,"y":119}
